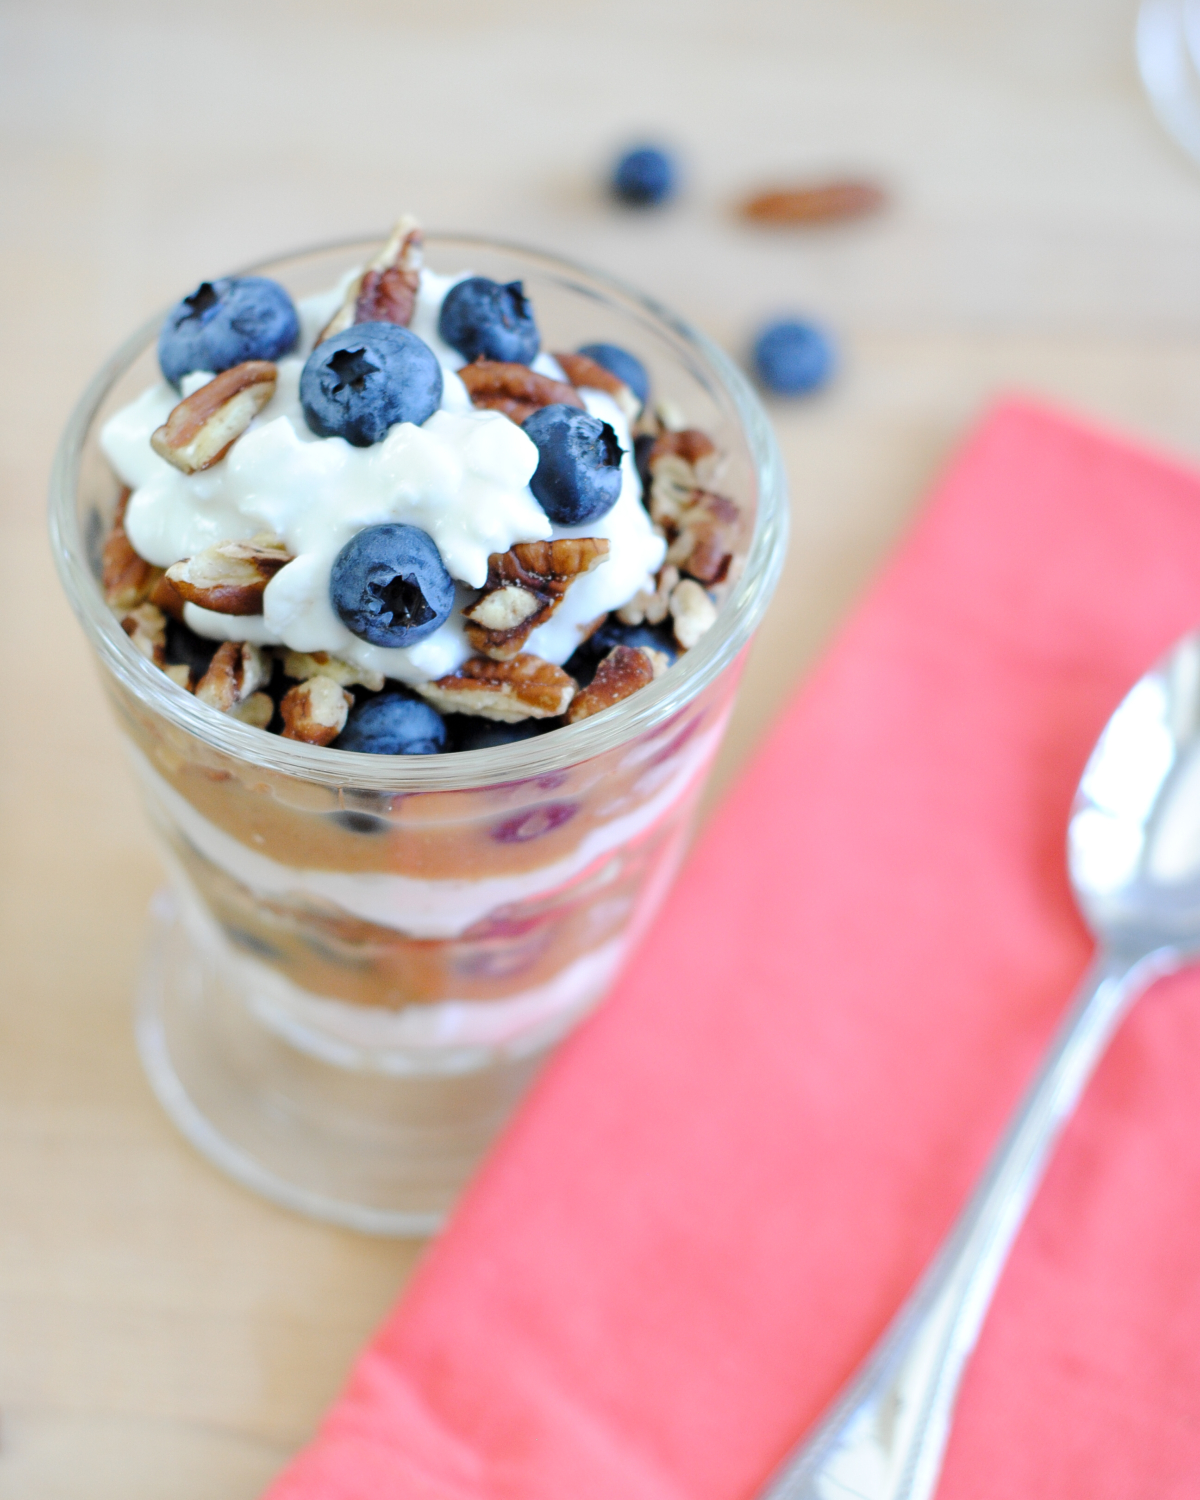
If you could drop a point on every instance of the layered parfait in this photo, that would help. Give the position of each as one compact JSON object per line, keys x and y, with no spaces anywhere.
{"x":385,"y":520}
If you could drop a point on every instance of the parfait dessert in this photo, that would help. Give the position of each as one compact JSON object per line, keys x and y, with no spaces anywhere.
{"x":414,"y":587}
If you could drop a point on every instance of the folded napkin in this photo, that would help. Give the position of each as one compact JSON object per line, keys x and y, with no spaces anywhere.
{"x":730,"y":1177}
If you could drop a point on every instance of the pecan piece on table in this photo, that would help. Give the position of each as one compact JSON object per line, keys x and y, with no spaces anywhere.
{"x":525,"y":585}
{"x":516,"y":390}
{"x":306,"y":664}
{"x":582,"y":369}
{"x":524,"y":688}
{"x":206,"y":424}
{"x":229,"y":578}
{"x":128,"y":579}
{"x":815,"y":203}
{"x":386,"y":291}
{"x":620,"y":674}
{"x":237,"y":671}
{"x":315,"y":711}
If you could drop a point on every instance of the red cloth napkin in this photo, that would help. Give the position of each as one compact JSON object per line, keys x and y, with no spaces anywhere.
{"x":729,"y":1179}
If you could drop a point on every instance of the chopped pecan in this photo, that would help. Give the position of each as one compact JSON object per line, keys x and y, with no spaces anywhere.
{"x":692,"y":611}
{"x":516,"y":390}
{"x":167,"y":597}
{"x":651,"y":608}
{"x":621,"y":673}
{"x":524,"y":688}
{"x":525,"y":585}
{"x":708,"y":531}
{"x":386,"y":291}
{"x":258,"y":710}
{"x":315,"y":711}
{"x":146,"y":627}
{"x":678,"y":464}
{"x":582,"y":369}
{"x":815,"y":203}
{"x":127,"y":577}
{"x":306,"y":664}
{"x":180,"y":674}
{"x":229,"y":578}
{"x":206,"y":424}
{"x":237,"y":671}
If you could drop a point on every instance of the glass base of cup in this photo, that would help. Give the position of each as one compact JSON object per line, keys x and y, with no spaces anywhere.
{"x":382,"y":1152}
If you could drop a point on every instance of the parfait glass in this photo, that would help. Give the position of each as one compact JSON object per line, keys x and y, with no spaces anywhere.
{"x":358,"y":963}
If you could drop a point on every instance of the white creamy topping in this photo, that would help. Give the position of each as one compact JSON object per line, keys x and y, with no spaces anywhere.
{"x":462,"y":477}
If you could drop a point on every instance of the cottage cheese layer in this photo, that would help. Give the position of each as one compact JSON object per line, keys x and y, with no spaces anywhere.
{"x":421,"y":907}
{"x":462,"y":477}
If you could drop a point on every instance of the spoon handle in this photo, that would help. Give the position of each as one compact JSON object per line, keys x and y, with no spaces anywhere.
{"x":884,"y":1437}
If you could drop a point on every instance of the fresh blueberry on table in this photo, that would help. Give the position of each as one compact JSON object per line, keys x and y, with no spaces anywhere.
{"x":393,"y":724}
{"x":389,"y":585}
{"x":623,"y":365}
{"x":644,"y":176}
{"x":484,"y":320}
{"x":578,"y":477}
{"x":224,"y":323}
{"x":367,"y":378}
{"x":791,"y":357}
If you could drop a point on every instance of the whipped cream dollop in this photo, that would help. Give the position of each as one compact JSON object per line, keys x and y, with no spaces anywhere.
{"x":462,"y":477}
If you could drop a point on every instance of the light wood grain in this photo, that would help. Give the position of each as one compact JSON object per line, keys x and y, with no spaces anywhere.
{"x":162,"y":1333}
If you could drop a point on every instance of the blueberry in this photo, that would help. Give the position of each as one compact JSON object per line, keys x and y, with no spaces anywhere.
{"x":623,"y":365}
{"x":367,"y":378}
{"x":643,"y":176}
{"x":224,"y":323}
{"x":484,"y":320}
{"x":393,"y":724}
{"x":791,"y":357}
{"x":389,"y":585}
{"x":483,"y":734}
{"x":578,"y":477}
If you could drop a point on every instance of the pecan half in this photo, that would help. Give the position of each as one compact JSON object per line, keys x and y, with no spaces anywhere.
{"x":582,"y":369}
{"x":206,"y":424}
{"x":524,"y":688}
{"x":386,"y":291}
{"x":516,"y":390}
{"x":525,"y":585}
{"x":229,"y":578}
{"x":236,"y":672}
{"x":165,"y":595}
{"x":306,"y":664}
{"x":127,"y":577}
{"x":146,"y":627}
{"x":621,"y":673}
{"x":708,"y":532}
{"x":315,"y":711}
{"x":692,"y":612}
{"x":815,"y":203}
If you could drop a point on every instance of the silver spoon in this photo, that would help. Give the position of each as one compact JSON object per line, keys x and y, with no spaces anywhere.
{"x":1133,"y":849}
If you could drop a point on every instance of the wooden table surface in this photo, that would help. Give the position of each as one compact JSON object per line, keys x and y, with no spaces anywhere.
{"x":163,"y":1333}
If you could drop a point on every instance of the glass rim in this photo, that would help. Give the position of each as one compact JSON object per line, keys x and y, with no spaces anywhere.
{"x":569,"y":744}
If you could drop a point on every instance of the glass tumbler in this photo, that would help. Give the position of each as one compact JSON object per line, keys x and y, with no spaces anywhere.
{"x":359,"y":962}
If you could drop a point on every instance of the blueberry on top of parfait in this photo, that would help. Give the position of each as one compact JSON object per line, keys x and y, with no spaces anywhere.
{"x":224,"y":323}
{"x":362,"y":381}
{"x":394,"y":724}
{"x":389,"y":585}
{"x":484,"y":320}
{"x":623,"y":365}
{"x":645,"y":176}
{"x":578,"y":477}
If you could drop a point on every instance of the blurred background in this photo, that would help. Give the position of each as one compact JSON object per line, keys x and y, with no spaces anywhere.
{"x":1042,"y":236}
